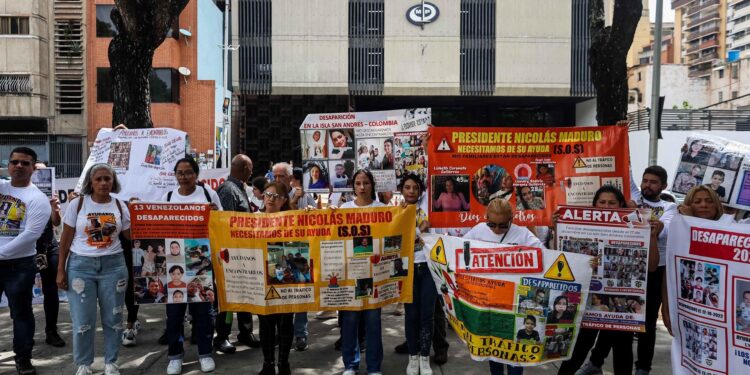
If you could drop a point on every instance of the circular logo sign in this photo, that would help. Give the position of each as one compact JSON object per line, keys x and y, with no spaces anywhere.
{"x":423,"y":13}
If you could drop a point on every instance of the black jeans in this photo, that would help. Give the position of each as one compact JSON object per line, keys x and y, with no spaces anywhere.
{"x":127,"y":252}
{"x":223,"y":329}
{"x":420,"y":313}
{"x":621,"y":342}
{"x":647,"y":340}
{"x":203,"y":329}
{"x":16,"y":280}
{"x":271,"y":326}
{"x":49,"y":289}
{"x":439,"y":343}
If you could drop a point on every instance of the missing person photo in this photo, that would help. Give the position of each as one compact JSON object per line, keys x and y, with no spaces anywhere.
{"x":315,"y":176}
{"x":392,"y":243}
{"x":341,"y":144}
{"x":688,"y":176}
{"x":742,"y":306}
{"x":153,"y":155}
{"x":175,"y":254}
{"x":314,"y":145}
{"x":487,"y":182}
{"x":362,"y":246}
{"x":545,"y":172}
{"x":363,"y":288}
{"x":341,"y":173}
{"x":720,"y":181}
{"x":400,"y":267}
{"x":530,"y":197}
{"x":289,"y":263}
{"x":530,"y":329}
{"x":558,"y":344}
{"x":450,"y":193}
{"x":535,"y":301}
{"x":700,"y":283}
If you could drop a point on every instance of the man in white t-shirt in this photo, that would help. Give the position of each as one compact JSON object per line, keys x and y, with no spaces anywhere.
{"x":653,"y":182}
{"x":25,"y":212}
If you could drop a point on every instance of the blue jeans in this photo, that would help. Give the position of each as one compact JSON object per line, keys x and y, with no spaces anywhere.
{"x":203,"y":328}
{"x":96,"y":280}
{"x":350,"y":339}
{"x":499,"y":369}
{"x":300,"y":324}
{"x":420,"y":312}
{"x":16,"y":280}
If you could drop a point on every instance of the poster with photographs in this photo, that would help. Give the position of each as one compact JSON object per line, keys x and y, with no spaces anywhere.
{"x":171,"y":253}
{"x":143,"y":159}
{"x":708,"y":263}
{"x":44,"y":179}
{"x":718,"y":163}
{"x":342,"y":143}
{"x":516,"y":305}
{"x":619,"y":239}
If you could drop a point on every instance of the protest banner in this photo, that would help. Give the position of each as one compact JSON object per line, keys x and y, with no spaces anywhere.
{"x":171,"y":253}
{"x":513,"y":304}
{"x":620,"y":240}
{"x":44,"y":179}
{"x":719,"y":163}
{"x":708,"y":279}
{"x":387,"y":143}
{"x":143,"y":159}
{"x":535,"y":169}
{"x":297,"y":261}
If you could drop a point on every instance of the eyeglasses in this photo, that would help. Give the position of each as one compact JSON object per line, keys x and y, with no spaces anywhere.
{"x":492,"y":225}
{"x":24,"y":163}
{"x":272,"y":196}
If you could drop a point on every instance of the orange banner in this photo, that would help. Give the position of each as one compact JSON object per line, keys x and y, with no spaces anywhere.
{"x":535,"y":169}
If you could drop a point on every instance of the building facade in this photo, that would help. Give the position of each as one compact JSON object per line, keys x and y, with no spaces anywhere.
{"x":738,"y":27}
{"x":190,"y":102}
{"x":474,"y":62}
{"x":42,"y":81}
{"x":700,"y":34}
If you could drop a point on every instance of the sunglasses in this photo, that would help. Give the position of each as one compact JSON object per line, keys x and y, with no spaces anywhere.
{"x":492,"y":225}
{"x":271,"y":196}
{"x":24,"y":163}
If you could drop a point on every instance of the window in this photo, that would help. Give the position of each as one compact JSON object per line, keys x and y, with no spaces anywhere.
{"x":734,"y":94}
{"x":639,"y":76}
{"x":105,"y":28}
{"x":14,"y":25}
{"x":721,"y":73}
{"x":164,"y":82}
{"x":721,"y":96}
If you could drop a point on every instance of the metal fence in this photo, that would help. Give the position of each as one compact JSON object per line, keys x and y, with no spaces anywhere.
{"x":693,"y":119}
{"x":66,"y":153}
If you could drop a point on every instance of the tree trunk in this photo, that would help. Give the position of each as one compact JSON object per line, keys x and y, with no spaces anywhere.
{"x":607,"y":57}
{"x":142,"y":26}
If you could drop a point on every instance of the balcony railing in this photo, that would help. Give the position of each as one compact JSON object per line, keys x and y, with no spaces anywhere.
{"x":702,"y":46}
{"x":705,"y":58}
{"x":699,"y":73}
{"x":704,"y":19}
{"x":693,"y":119}
{"x":700,"y":34}
{"x":697,"y":8}
{"x":680,"y":3}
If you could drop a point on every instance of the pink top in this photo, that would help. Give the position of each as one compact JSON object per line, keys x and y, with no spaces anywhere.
{"x":451,"y":202}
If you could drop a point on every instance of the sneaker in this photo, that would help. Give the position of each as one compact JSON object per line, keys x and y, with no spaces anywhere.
{"x":207,"y":364}
{"x":413,"y":367}
{"x":349,"y":372}
{"x":402,"y":348}
{"x":424,"y":365}
{"x":325,"y":315}
{"x":54,"y":339}
{"x":128,"y":337}
{"x":111,"y":369}
{"x":300,"y":344}
{"x":174,"y":367}
{"x":137,"y":326}
{"x":84,"y":370}
{"x":640,"y":371}
{"x":588,"y":368}
{"x":399,"y":310}
{"x":24,"y":366}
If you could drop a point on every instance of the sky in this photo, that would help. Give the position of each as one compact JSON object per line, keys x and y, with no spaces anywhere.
{"x":668,"y":14}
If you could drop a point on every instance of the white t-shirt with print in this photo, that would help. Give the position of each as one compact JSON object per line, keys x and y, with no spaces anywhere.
{"x":516,"y":235}
{"x":665,"y":211}
{"x":198,"y":196}
{"x":24,"y":213}
{"x":97,"y":226}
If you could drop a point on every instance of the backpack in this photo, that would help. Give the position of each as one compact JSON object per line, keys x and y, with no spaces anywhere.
{"x":80,"y":204}
{"x":205,"y":193}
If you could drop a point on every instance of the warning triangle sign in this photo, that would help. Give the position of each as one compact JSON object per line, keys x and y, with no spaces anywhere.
{"x":272,"y":294}
{"x":560,"y":270}
{"x":437,"y":254}
{"x":444,"y":146}
{"x":579,"y":163}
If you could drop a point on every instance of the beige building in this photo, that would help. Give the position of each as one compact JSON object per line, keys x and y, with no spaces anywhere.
{"x":700,"y":34}
{"x":41,"y":81}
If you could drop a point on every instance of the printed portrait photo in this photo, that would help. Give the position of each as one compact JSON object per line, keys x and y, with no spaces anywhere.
{"x":487,"y":182}
{"x":314,"y":145}
{"x":530,"y":197}
{"x":450,"y":193}
{"x":289,"y":263}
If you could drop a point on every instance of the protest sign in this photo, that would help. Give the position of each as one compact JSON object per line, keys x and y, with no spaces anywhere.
{"x":512,"y":304}
{"x":535,"y":169}
{"x":620,"y":240}
{"x":719,"y":163}
{"x":171,"y":253}
{"x":44,"y":179}
{"x":387,"y":143}
{"x":297,"y":261}
{"x":708,"y":279}
{"x":143,"y":159}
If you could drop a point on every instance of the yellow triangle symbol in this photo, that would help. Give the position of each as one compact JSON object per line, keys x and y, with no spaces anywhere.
{"x":437,"y":254}
{"x":272,"y":294}
{"x":579,"y":163}
{"x":560,"y":270}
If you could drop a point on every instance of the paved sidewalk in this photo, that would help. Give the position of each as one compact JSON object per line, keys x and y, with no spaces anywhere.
{"x":150,"y":358}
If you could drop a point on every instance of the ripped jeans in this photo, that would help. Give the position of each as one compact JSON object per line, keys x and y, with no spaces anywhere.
{"x":93,"y":280}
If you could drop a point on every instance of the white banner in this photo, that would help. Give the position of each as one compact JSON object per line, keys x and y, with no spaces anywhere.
{"x":708,"y":276}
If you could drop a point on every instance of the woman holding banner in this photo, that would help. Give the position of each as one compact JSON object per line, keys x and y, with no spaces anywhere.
{"x":275,"y":199}
{"x":92,"y":264}
{"x":419,"y":313}
{"x":364,"y":190}
{"x":186,"y":171}
{"x":702,"y":202}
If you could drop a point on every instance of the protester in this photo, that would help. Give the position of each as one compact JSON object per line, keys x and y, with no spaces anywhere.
{"x":499,"y":228}
{"x":233,"y":197}
{"x":273,"y":325}
{"x":186,"y":171}
{"x":48,"y":248}
{"x":364,"y":189}
{"x":17,"y":249}
{"x":419,"y":313}
{"x":256,"y":199}
{"x":653,"y":182}
{"x":96,"y":272}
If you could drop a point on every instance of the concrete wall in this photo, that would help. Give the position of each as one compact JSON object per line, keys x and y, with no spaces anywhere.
{"x":533,"y":57}
{"x":727,"y":85}
{"x":310,"y":41}
{"x":675,"y":87}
